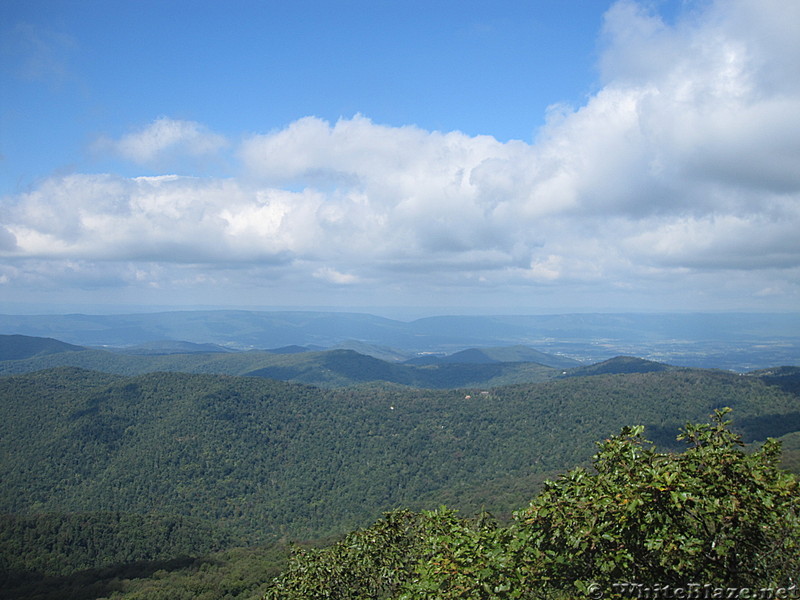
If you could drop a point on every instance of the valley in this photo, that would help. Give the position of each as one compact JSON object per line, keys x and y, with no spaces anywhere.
{"x":173,"y":451}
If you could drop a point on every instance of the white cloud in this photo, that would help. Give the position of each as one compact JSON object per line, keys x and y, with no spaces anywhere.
{"x":165,"y":139}
{"x":682,"y":167}
{"x":8,"y":240}
{"x":167,"y":219}
{"x":333,"y":276}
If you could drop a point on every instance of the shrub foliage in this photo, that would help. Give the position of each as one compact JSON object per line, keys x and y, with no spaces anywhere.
{"x":713,"y":514}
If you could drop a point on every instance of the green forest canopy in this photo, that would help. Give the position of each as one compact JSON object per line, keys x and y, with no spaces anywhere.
{"x":101,"y":470}
{"x":712,"y":515}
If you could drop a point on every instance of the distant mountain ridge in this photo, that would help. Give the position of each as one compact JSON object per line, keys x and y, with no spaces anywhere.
{"x":510,"y":354}
{"x":620,"y":364}
{"x":474,"y":367}
{"x":19,"y":347}
{"x":330,"y":368}
{"x":737,"y":341}
{"x":172,"y":347}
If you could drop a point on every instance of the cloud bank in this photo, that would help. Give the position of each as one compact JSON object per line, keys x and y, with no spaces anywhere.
{"x":678,"y":176}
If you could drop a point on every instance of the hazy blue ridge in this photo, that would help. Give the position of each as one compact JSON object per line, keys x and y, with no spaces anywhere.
{"x":736,"y":341}
{"x":19,"y":347}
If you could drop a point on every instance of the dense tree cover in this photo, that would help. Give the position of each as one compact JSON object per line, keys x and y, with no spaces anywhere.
{"x":620,"y":364}
{"x":369,"y":563}
{"x":786,"y":378}
{"x":19,"y":347}
{"x":790,"y":455}
{"x":58,"y":544}
{"x":253,"y":460}
{"x":333,"y":368}
{"x":235,"y":574}
{"x":711,"y":515}
{"x":269,"y":458}
{"x":265,"y":459}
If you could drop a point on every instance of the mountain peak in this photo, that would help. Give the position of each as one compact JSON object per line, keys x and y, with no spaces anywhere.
{"x":19,"y":347}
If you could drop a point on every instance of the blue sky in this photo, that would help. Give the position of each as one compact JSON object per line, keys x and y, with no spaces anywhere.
{"x":82,"y":69}
{"x":539,"y":156}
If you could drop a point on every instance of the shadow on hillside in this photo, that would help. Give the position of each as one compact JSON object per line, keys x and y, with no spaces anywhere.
{"x":752,"y":429}
{"x":88,"y":584}
{"x":665,"y":437}
{"x":764,"y":426}
{"x":785,"y":378}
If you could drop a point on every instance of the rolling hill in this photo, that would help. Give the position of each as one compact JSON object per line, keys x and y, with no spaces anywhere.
{"x":146,"y":467}
{"x":332,"y":368}
{"x":20,"y":347}
{"x":735,"y":341}
{"x":508,"y":354}
{"x":619,"y":364}
{"x":268,"y":457}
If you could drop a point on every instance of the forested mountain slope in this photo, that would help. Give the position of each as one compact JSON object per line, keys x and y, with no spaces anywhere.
{"x":271,"y":458}
{"x":619,"y":364}
{"x":475,"y":367}
{"x":242,"y":460}
{"x":20,"y":347}
{"x":508,"y":354}
{"x":331,"y":368}
{"x":713,"y":520}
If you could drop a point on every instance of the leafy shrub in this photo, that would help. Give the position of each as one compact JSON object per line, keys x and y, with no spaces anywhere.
{"x":713,"y":514}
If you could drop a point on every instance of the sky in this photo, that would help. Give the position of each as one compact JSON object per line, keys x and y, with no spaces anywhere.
{"x":449,"y":156}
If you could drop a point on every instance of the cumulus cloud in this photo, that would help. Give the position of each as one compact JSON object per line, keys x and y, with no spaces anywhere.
{"x":8,"y":240}
{"x":164,"y":140}
{"x":683,"y":162}
{"x":166,"y":218}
